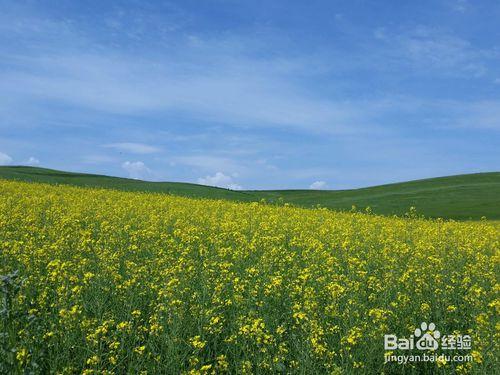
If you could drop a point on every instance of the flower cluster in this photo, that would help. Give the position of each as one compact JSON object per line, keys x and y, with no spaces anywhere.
{"x":118,"y":282}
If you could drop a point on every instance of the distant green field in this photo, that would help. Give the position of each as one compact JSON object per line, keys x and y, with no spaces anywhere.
{"x":461,"y":197}
{"x":33,"y":174}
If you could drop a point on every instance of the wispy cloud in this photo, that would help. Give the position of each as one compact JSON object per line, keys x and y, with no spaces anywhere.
{"x":211,"y":79}
{"x":247,"y":92}
{"x":432,"y":50}
{"x":215,"y":79}
{"x":459,"y":5}
{"x":134,"y":148}
{"x":171,"y":85}
{"x":479,"y":115}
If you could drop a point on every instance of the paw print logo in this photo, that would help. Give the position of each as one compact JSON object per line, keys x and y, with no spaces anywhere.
{"x":427,"y":336}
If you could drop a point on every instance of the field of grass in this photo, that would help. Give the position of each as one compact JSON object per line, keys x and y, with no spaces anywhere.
{"x":34,"y":174}
{"x":103,"y":281}
{"x":461,"y":197}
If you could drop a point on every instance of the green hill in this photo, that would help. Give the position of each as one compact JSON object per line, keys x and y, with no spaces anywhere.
{"x":461,"y":197}
{"x":34,"y":174}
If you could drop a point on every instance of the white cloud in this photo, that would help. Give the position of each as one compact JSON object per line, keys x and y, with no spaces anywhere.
{"x":318,"y":185}
{"x":484,"y":114}
{"x":221,"y":180}
{"x":267,"y":99}
{"x":32,"y":161}
{"x":443,"y":51}
{"x":379,"y":33}
{"x":137,"y":169}
{"x":460,"y":5}
{"x":223,"y":79}
{"x":208,"y":163}
{"x":5,"y":159}
{"x":132,"y":147}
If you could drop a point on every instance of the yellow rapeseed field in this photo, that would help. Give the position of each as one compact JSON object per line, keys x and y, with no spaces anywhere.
{"x":100,"y":281}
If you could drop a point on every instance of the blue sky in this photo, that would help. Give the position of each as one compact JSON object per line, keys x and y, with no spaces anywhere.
{"x":252,"y":94}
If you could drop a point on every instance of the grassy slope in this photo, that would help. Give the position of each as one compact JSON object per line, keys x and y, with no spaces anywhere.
{"x":33,"y":174}
{"x":456,"y":197}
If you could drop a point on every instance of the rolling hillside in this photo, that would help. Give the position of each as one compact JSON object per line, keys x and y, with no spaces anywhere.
{"x":34,"y":174}
{"x":459,"y":197}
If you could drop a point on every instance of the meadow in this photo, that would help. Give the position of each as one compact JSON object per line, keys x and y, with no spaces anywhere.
{"x":460,"y":197}
{"x":102,"y":281}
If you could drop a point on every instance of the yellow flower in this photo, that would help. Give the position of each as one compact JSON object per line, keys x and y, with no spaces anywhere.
{"x":94,"y":360}
{"x":124,"y":326}
{"x":222,"y":363}
{"x":237,"y":287}
{"x":425,"y":308}
{"x":478,"y":358}
{"x":300,"y":316}
{"x":441,"y":361}
{"x":114,"y":345}
{"x":48,"y":335}
{"x":280,"y":330}
{"x":140,"y":349}
{"x":205,"y":368}
{"x":197,"y":343}
{"x":22,"y":355}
